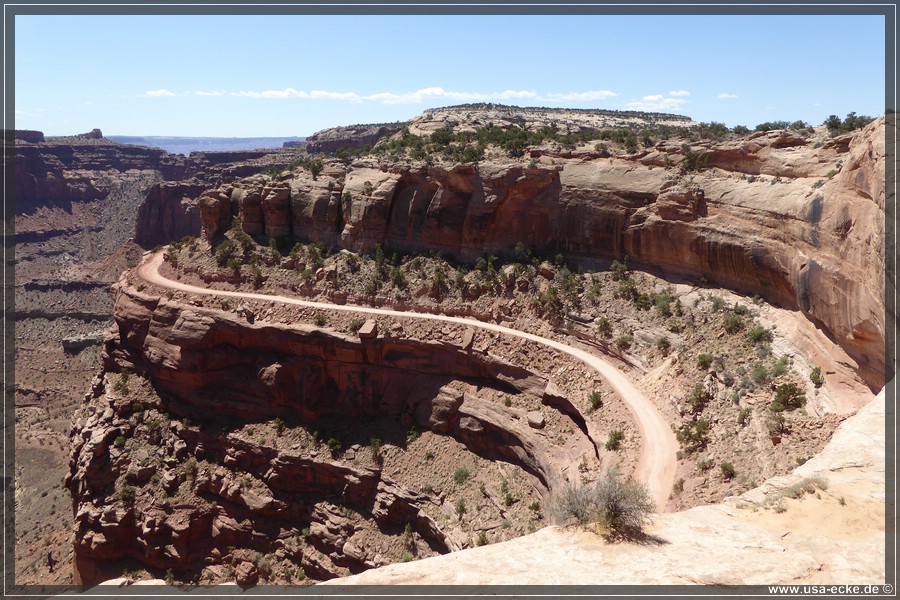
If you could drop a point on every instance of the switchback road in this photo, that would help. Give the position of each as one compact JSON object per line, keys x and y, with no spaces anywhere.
{"x":657,"y":461}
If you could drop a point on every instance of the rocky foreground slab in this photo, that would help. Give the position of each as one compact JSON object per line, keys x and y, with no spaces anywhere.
{"x":764,"y":536}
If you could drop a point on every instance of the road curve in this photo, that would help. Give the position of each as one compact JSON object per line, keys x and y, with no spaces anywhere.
{"x":657,"y":461}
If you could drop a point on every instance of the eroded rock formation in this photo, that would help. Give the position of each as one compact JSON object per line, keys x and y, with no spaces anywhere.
{"x":208,"y":364}
{"x":808,"y":235}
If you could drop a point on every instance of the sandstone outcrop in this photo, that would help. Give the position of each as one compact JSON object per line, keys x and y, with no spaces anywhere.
{"x":348,"y":138}
{"x":169,"y":212}
{"x":808,"y":236}
{"x":58,"y":173}
{"x":769,"y":535}
{"x":247,"y":494}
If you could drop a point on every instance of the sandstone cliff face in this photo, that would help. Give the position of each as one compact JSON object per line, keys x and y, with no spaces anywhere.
{"x":58,"y":173}
{"x":169,"y":212}
{"x":807,"y":235}
{"x":348,"y":138}
{"x":212,"y":367}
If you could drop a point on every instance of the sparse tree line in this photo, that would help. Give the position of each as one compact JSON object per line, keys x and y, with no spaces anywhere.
{"x":471,"y":146}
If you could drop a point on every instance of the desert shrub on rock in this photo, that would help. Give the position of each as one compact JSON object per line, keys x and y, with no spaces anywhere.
{"x":620,"y":505}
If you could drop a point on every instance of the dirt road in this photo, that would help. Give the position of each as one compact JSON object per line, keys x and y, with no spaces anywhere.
{"x":657,"y":462}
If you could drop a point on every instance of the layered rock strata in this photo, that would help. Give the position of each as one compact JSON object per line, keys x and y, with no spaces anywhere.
{"x":215,"y":368}
{"x":798,"y":223}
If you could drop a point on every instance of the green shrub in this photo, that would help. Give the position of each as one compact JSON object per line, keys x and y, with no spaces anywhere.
{"x":816,"y":377}
{"x":759,"y":334}
{"x":706,"y":464}
{"x":190,"y":468}
{"x":356,"y":324}
{"x":460,"y":475}
{"x":119,"y":441}
{"x":717,"y":303}
{"x":759,"y":374}
{"x":732,"y":323}
{"x":698,"y":399}
{"x":603,"y":326}
{"x":643,"y":302}
{"x":663,"y":344}
{"x":744,"y":416}
{"x":121,"y":384}
{"x":257,"y":278}
{"x":704,"y":361}
{"x":595,"y":399}
{"x":460,"y":508}
{"x":615,"y":440}
{"x":788,"y":396}
{"x":334,"y":445}
{"x":619,"y":270}
{"x":622,"y":505}
{"x":808,"y":485}
{"x":662,"y":304}
{"x":623,"y":342}
{"x":375,"y":446}
{"x":693,"y":436}
{"x":728,"y":471}
{"x":626,"y":290}
{"x":127,"y":494}
{"x":776,"y":424}
{"x":692,"y":161}
{"x":780,"y":367}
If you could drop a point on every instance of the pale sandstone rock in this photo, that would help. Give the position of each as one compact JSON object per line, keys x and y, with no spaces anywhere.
{"x":725,"y":544}
{"x":369,"y":330}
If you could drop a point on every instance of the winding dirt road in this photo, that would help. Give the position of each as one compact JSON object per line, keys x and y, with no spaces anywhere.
{"x":657,"y":462}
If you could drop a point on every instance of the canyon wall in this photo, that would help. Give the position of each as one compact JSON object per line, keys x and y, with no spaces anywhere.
{"x":798,"y":222}
{"x":213,"y":367}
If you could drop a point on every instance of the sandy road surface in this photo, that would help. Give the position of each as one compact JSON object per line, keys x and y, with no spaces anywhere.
{"x":657,"y":462}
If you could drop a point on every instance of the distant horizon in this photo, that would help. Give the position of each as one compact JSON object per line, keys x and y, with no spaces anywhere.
{"x":304,"y":137}
{"x":731,"y":69}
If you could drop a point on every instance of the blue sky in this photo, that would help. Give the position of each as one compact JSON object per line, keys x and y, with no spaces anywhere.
{"x":293,"y":75}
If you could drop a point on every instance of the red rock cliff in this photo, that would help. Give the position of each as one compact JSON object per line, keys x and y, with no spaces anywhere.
{"x":808,"y":234}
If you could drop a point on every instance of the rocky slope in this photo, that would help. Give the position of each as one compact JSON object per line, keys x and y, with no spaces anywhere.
{"x":76,"y":208}
{"x":822,"y":524}
{"x":795,"y":218}
{"x":205,"y":499}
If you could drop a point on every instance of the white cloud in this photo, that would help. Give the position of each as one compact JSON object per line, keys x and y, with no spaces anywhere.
{"x":680,"y":93}
{"x":416,"y":97}
{"x":163,"y":93}
{"x":517,"y":94}
{"x":89,"y":102}
{"x":278,"y":94}
{"x":589,"y":96}
{"x":724,"y":96}
{"x":655,"y":103}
